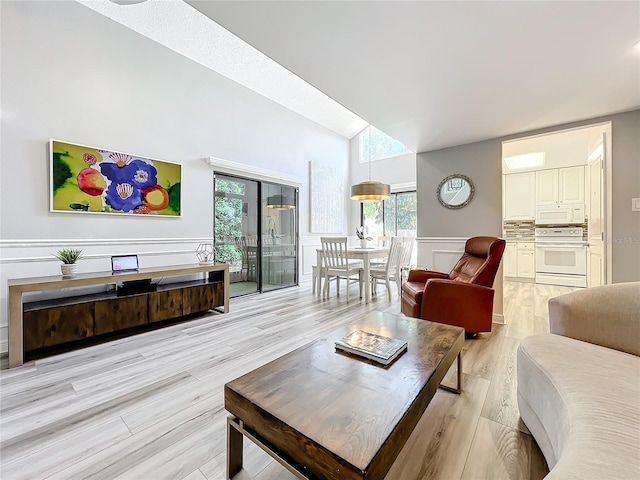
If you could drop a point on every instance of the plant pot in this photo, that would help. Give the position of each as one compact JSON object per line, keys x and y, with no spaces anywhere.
{"x":363,"y":243}
{"x":69,"y":269}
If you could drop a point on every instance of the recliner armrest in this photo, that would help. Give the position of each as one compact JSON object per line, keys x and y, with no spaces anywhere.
{"x":420,"y":275}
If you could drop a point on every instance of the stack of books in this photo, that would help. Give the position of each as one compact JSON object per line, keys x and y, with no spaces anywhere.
{"x":380,"y":349}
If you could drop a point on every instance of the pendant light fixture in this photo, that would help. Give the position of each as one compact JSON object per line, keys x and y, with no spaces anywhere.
{"x":370,"y":191}
{"x":280,"y":202}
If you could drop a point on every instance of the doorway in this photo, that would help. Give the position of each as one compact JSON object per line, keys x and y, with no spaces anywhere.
{"x":563,"y":170}
{"x":255,"y":232}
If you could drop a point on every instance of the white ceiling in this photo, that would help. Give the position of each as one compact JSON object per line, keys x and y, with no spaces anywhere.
{"x":437,"y":74}
{"x":186,"y":31}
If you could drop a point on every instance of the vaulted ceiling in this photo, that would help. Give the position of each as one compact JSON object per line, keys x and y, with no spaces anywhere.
{"x":437,"y":74}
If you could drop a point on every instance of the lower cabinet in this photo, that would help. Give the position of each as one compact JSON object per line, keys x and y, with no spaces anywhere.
{"x":519,"y":260}
{"x":526,"y":262}
{"x":120,"y":314}
{"x":47,"y":327}
{"x":202,"y":298}
{"x":56,"y":322}
{"x":165,"y":305}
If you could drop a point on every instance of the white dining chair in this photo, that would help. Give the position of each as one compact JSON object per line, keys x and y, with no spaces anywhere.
{"x":388,"y":271}
{"x":336,"y":265}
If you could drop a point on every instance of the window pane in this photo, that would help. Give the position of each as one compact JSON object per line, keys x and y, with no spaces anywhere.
{"x":229,"y":186}
{"x":373,"y":220}
{"x":378,"y":145}
{"x":390,"y":216}
{"x":407,"y":214}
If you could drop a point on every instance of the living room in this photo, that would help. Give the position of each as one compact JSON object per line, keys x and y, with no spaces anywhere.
{"x":72,"y":74}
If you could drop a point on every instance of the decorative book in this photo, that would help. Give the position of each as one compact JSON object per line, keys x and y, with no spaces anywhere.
{"x":380,"y":349}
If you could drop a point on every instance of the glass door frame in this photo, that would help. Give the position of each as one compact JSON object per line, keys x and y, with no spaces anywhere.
{"x":259,"y":225}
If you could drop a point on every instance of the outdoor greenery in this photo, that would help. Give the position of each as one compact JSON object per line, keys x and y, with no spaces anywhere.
{"x":228,"y":220}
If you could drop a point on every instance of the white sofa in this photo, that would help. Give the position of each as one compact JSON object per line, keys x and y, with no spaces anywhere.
{"x":579,"y":387}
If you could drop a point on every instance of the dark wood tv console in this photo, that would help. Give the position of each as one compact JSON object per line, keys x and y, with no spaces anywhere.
{"x":47,"y":323}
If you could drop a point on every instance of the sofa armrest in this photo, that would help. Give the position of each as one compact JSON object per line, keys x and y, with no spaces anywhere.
{"x":608,"y":316}
{"x":456,"y":303}
{"x":420,"y":275}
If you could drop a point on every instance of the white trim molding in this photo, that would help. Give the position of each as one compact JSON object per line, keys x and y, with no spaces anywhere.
{"x":248,"y":171}
{"x":404,"y":187}
{"x":50,"y":242}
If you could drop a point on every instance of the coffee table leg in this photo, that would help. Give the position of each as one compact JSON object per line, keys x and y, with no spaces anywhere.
{"x":458,"y":388}
{"x":234,"y":447}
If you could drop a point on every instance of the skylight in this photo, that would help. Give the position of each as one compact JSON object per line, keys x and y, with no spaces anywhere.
{"x":527,"y":160}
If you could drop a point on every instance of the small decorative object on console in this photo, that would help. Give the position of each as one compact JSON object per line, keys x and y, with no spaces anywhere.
{"x":205,"y":252}
{"x":69,"y":257}
{"x":374,"y":347}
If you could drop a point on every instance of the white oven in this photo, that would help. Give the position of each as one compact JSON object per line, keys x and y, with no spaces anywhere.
{"x":561,"y":256}
{"x":560,"y":214}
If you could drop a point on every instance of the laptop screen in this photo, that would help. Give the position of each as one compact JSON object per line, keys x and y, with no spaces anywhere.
{"x":123,"y":263}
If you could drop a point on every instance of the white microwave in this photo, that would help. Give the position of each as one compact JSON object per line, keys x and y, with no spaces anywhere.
{"x":560,"y":214}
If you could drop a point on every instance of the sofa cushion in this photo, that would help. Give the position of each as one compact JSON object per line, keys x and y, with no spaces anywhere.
{"x":586,"y":398}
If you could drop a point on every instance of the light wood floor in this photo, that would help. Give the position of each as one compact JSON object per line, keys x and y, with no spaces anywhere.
{"x":151,"y":406}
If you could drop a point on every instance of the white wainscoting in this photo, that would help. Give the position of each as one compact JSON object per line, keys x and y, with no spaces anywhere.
{"x":442,"y":253}
{"x":34,"y":258}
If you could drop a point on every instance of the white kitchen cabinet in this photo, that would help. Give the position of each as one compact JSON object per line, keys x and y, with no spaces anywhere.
{"x":519,"y":260}
{"x":519,"y":196}
{"x":571,"y":184}
{"x":510,"y":260}
{"x":547,"y":187}
{"x":525,"y":260}
{"x":560,"y":185}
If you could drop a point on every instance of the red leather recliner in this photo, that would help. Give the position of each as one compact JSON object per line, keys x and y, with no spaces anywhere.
{"x":464,"y":296}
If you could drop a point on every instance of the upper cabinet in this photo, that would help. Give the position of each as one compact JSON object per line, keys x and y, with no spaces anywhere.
{"x":571,"y":182}
{"x":560,"y":185}
{"x":519,"y":194}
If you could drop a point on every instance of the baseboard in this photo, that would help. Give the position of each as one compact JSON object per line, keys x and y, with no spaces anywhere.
{"x":498,"y":318}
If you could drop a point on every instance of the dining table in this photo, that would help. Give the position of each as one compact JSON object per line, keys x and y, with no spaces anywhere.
{"x":356,"y":253}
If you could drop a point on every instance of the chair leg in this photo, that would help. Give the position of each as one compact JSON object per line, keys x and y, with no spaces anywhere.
{"x":314,"y":278}
{"x":325,"y":288}
{"x":386,"y":280}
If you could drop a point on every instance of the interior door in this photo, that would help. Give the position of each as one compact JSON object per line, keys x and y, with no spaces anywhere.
{"x":596,"y":259}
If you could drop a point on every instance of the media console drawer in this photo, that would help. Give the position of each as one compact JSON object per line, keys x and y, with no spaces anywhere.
{"x":47,"y":327}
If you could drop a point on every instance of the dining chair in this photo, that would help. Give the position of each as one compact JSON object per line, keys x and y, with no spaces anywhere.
{"x":405,"y":262}
{"x":336,"y":265}
{"x":390,"y":269}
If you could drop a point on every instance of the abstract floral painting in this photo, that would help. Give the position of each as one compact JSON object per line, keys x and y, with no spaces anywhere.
{"x":89,"y":179}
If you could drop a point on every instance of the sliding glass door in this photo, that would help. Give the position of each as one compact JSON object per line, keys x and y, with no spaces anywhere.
{"x":279,"y":234}
{"x":256,"y":232}
{"x":236,"y":217}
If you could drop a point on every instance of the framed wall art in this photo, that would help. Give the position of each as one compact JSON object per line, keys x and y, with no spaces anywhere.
{"x":87,"y":179}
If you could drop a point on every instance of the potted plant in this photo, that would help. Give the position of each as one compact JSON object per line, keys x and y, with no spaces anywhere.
{"x":69,"y":257}
{"x":361,"y":237}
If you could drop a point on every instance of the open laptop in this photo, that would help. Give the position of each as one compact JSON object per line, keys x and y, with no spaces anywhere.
{"x":124,"y":263}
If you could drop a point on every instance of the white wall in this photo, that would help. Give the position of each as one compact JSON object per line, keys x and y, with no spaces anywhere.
{"x":70,"y":73}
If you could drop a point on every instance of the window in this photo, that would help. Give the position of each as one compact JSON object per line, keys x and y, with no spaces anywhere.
{"x":378,"y":145}
{"x":396,"y":216}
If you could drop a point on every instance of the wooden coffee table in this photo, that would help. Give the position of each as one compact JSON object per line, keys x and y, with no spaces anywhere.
{"x":324,"y":414}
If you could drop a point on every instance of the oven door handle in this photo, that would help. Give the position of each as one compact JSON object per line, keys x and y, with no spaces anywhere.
{"x":552,"y":245}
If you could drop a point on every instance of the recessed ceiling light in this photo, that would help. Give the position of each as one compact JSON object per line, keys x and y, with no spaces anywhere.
{"x":528,"y":160}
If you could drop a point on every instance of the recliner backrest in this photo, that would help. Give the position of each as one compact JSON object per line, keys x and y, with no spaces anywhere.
{"x":480,"y":261}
